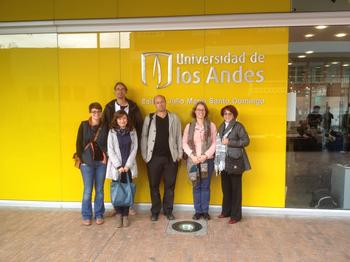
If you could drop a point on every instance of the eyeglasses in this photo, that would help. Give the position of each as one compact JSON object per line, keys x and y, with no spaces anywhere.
{"x":227,"y":114}
{"x":96,"y":111}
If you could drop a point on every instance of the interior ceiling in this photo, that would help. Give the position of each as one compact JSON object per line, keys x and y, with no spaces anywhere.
{"x":326,"y":46}
{"x":297,"y":33}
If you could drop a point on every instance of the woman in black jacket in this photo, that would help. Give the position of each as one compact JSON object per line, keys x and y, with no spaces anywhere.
{"x":231,"y":161}
{"x":91,"y":147}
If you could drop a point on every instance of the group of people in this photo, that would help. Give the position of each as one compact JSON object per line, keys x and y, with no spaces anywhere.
{"x":107,"y":145}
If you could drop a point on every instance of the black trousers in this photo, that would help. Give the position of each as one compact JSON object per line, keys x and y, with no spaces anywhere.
{"x":124,"y":211}
{"x":157,"y":168}
{"x":232,"y":191}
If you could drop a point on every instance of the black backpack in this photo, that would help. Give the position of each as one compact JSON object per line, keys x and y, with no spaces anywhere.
{"x":322,"y":198}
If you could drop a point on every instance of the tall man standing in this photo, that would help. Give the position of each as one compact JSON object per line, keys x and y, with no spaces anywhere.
{"x":161,"y":149}
{"x":123,"y":103}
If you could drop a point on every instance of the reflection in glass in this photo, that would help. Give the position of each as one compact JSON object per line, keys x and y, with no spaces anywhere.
{"x":81,"y":40}
{"x":109,"y":40}
{"x":319,"y":137}
{"x":28,"y":41}
{"x":125,"y":39}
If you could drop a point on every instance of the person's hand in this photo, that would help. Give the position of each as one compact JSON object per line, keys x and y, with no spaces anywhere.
{"x":126,"y":169}
{"x":224,"y":141}
{"x":202,"y":158}
{"x":121,"y":169}
{"x":195,"y":159}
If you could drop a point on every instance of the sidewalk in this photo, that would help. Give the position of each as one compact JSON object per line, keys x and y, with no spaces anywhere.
{"x":28,"y":234}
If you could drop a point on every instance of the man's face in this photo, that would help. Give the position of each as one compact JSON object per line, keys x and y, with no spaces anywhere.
{"x":120,"y":91}
{"x":160,"y":104}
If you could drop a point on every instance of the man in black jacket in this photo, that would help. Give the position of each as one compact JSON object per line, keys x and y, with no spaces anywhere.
{"x":123,"y":103}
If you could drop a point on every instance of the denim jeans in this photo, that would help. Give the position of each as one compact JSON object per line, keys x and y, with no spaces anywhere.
{"x":201,"y":191}
{"x":93,"y":175}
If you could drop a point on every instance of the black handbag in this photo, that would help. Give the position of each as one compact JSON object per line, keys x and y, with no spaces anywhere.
{"x":234,"y":162}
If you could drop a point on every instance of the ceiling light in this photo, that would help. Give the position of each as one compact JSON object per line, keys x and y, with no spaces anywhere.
{"x":290,"y":63}
{"x":335,"y":63}
{"x":301,"y":56}
{"x":326,"y":65}
{"x":345,"y":64}
{"x":340,"y":35}
{"x":309,"y":52}
{"x":309,"y":35}
{"x":320,"y":27}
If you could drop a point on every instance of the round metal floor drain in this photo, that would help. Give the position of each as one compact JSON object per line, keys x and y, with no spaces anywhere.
{"x":187,"y":226}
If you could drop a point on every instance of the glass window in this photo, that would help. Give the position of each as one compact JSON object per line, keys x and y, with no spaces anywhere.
{"x":318,"y":138}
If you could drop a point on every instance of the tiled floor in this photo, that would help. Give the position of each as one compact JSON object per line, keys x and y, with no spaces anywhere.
{"x":57,"y":235}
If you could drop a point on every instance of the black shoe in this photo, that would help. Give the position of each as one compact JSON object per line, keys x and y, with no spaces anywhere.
{"x":196,"y":216}
{"x":154,"y":217}
{"x":206,"y":216}
{"x":170,"y":216}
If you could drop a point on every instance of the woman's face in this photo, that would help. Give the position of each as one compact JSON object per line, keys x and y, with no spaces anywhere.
{"x":228,"y":116}
{"x":200,"y":112}
{"x":122,"y":121}
{"x":96,"y":114}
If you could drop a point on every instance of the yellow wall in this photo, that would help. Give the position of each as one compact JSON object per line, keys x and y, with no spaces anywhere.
{"x":25,"y":10}
{"x":29,"y":91}
{"x":46,"y":92}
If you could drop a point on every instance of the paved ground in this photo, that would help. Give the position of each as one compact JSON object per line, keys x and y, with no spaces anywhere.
{"x":57,"y":235}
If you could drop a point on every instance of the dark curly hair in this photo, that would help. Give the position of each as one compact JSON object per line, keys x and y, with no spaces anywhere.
{"x":231,"y":109}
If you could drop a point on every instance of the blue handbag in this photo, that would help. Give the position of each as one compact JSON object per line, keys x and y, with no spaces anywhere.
{"x":122,"y":194}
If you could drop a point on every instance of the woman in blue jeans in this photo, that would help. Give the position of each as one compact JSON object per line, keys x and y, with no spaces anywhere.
{"x":199,"y":142}
{"x":91,"y":149}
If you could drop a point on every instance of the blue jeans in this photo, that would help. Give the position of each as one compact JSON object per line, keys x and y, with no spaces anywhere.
{"x":201,"y":191}
{"x":93,"y":175}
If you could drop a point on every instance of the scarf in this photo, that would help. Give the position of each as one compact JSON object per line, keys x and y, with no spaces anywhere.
{"x":121,"y":131}
{"x":206,"y":140}
{"x":221,"y":149}
{"x":198,"y":171}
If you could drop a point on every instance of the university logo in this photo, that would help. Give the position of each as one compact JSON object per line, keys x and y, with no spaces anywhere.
{"x":160,"y":62}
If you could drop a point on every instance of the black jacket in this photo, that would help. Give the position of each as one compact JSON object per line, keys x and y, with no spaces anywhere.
{"x":134,"y":115}
{"x":238,"y":138}
{"x":85,"y":135}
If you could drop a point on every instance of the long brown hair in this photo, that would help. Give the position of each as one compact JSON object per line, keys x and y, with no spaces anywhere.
{"x":117,"y":115}
{"x":193,"y":112}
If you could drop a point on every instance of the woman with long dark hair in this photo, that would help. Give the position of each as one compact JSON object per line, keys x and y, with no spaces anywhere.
{"x":199,"y":144}
{"x":122,"y":148}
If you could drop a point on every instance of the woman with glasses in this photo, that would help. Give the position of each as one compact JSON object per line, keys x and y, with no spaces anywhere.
{"x":91,"y":147}
{"x":199,"y":144}
{"x":231,"y":161}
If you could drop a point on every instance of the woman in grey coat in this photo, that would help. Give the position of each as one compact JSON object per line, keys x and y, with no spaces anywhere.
{"x":231,"y":161}
{"x":122,"y":148}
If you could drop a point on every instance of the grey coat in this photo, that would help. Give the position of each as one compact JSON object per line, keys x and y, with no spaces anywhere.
{"x":238,"y":139}
{"x":115,"y":158}
{"x":149,"y":136}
